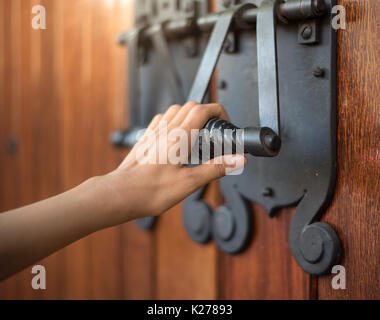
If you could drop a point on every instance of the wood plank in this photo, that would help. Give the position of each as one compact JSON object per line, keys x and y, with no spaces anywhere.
{"x":30,"y":76}
{"x":185,"y":269}
{"x":106,"y":246}
{"x":63,"y":92}
{"x":354,"y":212}
{"x":44,"y":147}
{"x":138,"y":263}
{"x":267,"y":269}
{"x":11,"y":162}
{"x":138,"y":247}
{"x":76,"y":127}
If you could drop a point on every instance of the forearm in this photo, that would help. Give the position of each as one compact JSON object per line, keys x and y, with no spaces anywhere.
{"x":33,"y":232}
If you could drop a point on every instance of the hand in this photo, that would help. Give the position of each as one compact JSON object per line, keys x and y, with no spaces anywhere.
{"x":142,"y":187}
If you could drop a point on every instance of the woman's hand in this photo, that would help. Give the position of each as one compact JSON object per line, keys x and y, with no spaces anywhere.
{"x":149,"y":181}
{"x":142,"y":186}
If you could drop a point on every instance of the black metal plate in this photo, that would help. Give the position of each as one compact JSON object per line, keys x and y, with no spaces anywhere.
{"x":304,"y":171}
{"x":302,"y":174}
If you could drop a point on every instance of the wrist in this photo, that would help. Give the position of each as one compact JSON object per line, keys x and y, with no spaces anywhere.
{"x":106,"y":201}
{"x":97,"y":203}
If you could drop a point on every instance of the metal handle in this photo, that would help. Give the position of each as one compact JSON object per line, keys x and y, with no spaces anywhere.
{"x":260,"y":141}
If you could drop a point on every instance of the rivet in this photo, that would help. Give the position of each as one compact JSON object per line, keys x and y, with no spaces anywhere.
{"x":267,"y":192}
{"x":222,"y":85}
{"x":307,"y":32}
{"x":318,"y":72}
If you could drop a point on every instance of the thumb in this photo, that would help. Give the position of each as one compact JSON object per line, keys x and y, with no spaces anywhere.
{"x":219,"y":167}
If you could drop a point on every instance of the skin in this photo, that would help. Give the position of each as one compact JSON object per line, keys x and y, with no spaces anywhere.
{"x":134,"y":190}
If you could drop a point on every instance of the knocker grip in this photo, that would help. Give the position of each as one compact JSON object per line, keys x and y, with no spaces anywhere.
{"x":228,"y":138}
{"x":222,"y":137}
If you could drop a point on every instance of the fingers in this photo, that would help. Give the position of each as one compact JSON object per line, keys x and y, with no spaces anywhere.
{"x":154,"y":124}
{"x":171,"y":113}
{"x":151,"y":128}
{"x":191,"y":116}
{"x":215,"y":169}
{"x":181,"y":115}
{"x":167,"y":116}
{"x":155,"y":121}
{"x":198,"y":115}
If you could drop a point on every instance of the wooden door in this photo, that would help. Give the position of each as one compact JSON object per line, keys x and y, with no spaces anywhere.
{"x":62,"y":92}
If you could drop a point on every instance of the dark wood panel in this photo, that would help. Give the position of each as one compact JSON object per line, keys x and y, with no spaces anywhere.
{"x":185,"y":269}
{"x":62,"y":94}
{"x":23,"y":101}
{"x":267,"y":269}
{"x":77,"y":126}
{"x":354,"y":212}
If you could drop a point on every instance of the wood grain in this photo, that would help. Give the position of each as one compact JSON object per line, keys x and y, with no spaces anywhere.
{"x":62,"y":94}
{"x":185,"y":269}
{"x":267,"y":269}
{"x":355,"y":210}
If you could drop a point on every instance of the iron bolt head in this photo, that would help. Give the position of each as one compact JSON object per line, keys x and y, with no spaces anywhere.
{"x":267,"y":192}
{"x":222,"y":85}
{"x":307,"y":32}
{"x":318,"y":72}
